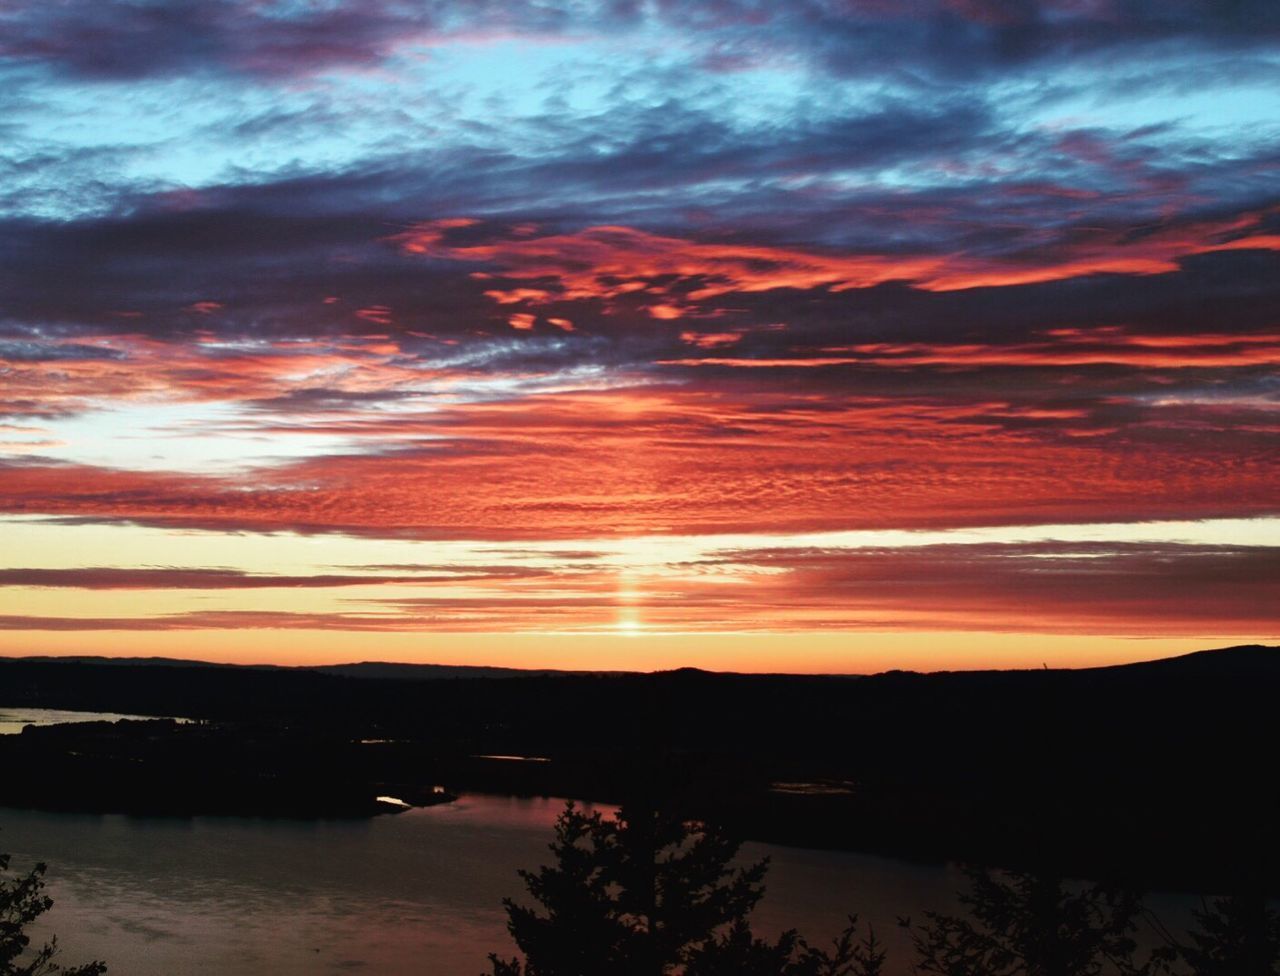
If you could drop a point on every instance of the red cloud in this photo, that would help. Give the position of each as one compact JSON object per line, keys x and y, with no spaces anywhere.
{"x":635,"y":461}
{"x":613,"y":262}
{"x":1060,"y":347}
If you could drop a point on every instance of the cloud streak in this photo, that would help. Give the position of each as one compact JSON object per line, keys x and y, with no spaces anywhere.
{"x":1054,"y":587}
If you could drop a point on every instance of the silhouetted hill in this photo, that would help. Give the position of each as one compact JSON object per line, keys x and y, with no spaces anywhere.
{"x":1245,"y":660}
{"x":1259,"y":659}
{"x":422,"y":672}
{"x":1158,"y":770}
{"x":163,"y":662}
{"x":360,"y":669}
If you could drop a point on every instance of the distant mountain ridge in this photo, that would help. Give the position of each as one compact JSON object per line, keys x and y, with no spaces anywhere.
{"x":1237,"y":660}
{"x":429,"y":672}
{"x":384,"y":670}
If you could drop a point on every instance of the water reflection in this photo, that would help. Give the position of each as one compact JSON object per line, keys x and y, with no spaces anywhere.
{"x":12,"y":720}
{"x":418,"y":892}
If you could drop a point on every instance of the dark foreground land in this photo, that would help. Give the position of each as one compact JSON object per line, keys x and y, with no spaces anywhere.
{"x":1160,"y":774}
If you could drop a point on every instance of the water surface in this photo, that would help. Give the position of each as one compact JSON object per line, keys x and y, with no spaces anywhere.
{"x":414,"y":893}
{"x":13,"y":720}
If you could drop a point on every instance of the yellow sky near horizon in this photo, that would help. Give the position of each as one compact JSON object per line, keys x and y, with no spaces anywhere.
{"x":830,"y":602}
{"x":814,"y":653}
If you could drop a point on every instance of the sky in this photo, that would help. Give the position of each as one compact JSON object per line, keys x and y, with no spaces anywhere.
{"x":826,"y":335}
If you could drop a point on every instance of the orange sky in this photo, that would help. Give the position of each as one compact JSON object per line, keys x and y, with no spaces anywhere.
{"x":850,"y":601}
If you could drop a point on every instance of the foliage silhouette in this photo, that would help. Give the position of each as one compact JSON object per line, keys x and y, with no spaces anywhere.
{"x":1235,"y":936}
{"x":738,"y":952}
{"x":22,"y":901}
{"x":645,"y":894}
{"x":1023,"y":924}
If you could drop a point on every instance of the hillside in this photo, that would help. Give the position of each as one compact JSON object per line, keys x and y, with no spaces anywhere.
{"x":1158,"y":771}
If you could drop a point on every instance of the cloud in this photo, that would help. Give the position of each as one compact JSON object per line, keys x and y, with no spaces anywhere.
{"x":965,"y":39}
{"x":1154,"y":589}
{"x":183,"y":578}
{"x":368,"y":382}
{"x":660,"y":460}
{"x":143,"y":38}
{"x":132,"y":40}
{"x":207,"y":620}
{"x":1052,"y":587}
{"x":61,"y":352}
{"x":666,"y":273}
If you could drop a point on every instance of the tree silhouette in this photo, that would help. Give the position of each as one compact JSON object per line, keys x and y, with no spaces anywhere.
{"x":1023,"y":924}
{"x":646,"y":894}
{"x":1236,"y":936}
{"x":738,"y":953}
{"x":22,"y":901}
{"x":649,"y":894}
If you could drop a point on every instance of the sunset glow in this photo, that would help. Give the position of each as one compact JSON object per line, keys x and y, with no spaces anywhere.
{"x":634,"y":336}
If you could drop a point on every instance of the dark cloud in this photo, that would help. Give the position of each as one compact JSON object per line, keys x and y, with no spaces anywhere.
{"x":41,"y":352}
{"x":270,"y":260}
{"x":138,"y":38}
{"x":950,"y":39}
{"x":134,"y":39}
